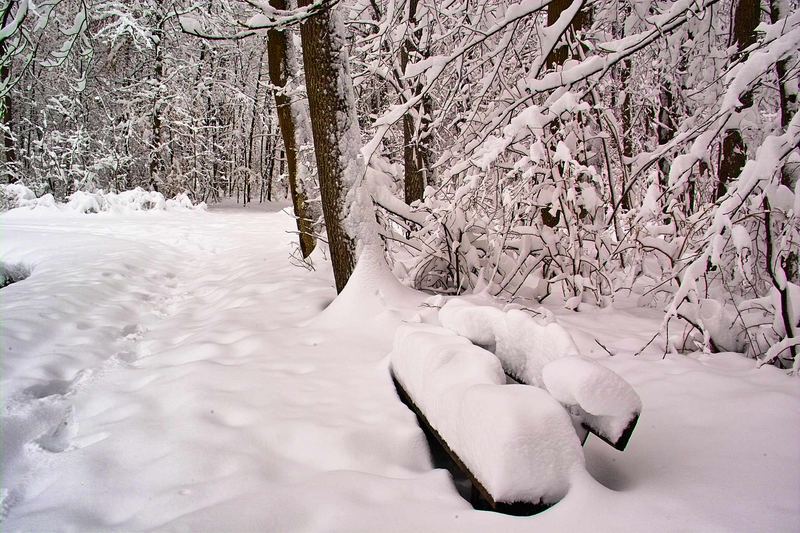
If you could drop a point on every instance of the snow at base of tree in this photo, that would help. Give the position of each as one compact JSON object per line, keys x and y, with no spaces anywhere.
{"x":517,"y":440}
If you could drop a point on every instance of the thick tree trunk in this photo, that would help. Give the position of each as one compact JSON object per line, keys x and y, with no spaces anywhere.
{"x":336,"y":135}
{"x":279,"y":49}
{"x":733,"y":153}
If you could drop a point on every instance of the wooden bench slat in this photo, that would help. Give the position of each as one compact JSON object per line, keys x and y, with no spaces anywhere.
{"x":620,"y":444}
{"x":481,"y":498}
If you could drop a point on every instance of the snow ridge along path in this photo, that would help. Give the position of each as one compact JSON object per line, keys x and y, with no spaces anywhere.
{"x":172,"y":372}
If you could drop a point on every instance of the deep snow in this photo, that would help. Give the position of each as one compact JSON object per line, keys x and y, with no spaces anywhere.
{"x":172,"y":371}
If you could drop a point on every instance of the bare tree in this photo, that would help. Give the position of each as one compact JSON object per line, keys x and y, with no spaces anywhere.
{"x":281,"y":57}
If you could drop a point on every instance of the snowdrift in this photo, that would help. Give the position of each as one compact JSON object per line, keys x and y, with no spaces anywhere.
{"x":18,"y":196}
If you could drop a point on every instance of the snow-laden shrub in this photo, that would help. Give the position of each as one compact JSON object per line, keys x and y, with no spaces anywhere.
{"x":19,"y":196}
{"x":530,"y":217}
{"x":12,"y":273}
{"x":533,"y":230}
{"x":13,"y":195}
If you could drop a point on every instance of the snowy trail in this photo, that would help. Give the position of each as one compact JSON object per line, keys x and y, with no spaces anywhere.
{"x":171,"y":372}
{"x":187,"y":385}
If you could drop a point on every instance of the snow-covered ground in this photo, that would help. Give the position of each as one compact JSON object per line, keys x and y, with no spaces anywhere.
{"x":172,"y":371}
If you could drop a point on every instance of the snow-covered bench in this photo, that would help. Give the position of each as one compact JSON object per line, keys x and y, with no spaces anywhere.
{"x":515,"y":443}
{"x":518,"y":444}
{"x":544,"y":355}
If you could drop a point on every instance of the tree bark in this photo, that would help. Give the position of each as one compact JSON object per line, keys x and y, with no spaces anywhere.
{"x":335,"y":130}
{"x":9,"y":150}
{"x":733,"y":153}
{"x":156,"y":161}
{"x":279,"y":48}
{"x":665,"y":129}
{"x":582,"y":20}
{"x":627,"y":129}
{"x":787,"y":98}
{"x":626,"y":106}
{"x":415,"y":150}
{"x":788,"y":102}
{"x":254,"y":112}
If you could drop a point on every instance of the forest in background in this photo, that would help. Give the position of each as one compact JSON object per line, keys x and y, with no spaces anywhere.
{"x":580,"y":152}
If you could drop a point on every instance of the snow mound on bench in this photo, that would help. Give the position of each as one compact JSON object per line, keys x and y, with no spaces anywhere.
{"x":523,"y":344}
{"x":517,"y":440}
{"x":600,"y":392}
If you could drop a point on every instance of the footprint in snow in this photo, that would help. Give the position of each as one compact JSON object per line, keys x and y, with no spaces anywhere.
{"x":8,"y":499}
{"x":59,"y":438}
{"x":51,"y":388}
{"x":59,"y":387}
{"x":131,"y":331}
{"x":126,"y":356}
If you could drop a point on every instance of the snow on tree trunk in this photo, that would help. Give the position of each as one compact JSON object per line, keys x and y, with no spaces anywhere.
{"x":665,"y":129}
{"x":156,"y":166}
{"x":337,"y":141}
{"x":581,"y":20}
{"x":10,"y":154}
{"x":280,"y":49}
{"x":787,"y":98}
{"x":415,"y":151}
{"x":734,"y":153}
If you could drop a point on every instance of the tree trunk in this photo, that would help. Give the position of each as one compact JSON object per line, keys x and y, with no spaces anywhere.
{"x":582,"y":20}
{"x":9,"y":151}
{"x":279,"y":50}
{"x":254,"y":112}
{"x":336,"y":135}
{"x":665,"y":129}
{"x":415,"y":150}
{"x":626,"y":106}
{"x":788,"y":102}
{"x":733,"y":153}
{"x":267,"y":159}
{"x":787,"y":98}
{"x":156,"y":162}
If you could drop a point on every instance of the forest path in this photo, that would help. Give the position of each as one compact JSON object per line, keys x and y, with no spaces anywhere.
{"x":171,"y":371}
{"x":155,"y":366}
